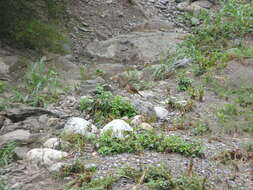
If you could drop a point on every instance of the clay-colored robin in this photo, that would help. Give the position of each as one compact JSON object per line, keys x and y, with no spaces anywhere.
{"x":132,"y":90}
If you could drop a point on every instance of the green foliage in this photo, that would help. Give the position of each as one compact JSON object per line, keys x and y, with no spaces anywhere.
{"x":146,"y":140}
{"x":183,"y":106}
{"x":72,"y":169}
{"x":154,"y":177}
{"x":27,"y":26}
{"x":41,"y":84}
{"x":99,"y":183}
{"x":235,"y":119}
{"x":76,"y":142}
{"x":2,"y":87}
{"x":104,"y":106}
{"x":206,"y":47}
{"x":201,"y":128}
{"x":7,"y":154}
{"x":37,"y":35}
{"x":183,"y":82}
{"x":160,"y":178}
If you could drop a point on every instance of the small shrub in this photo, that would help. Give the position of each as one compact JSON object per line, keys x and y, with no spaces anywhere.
{"x":104,"y":106}
{"x":77,"y":142}
{"x":183,"y":82}
{"x":138,"y":142}
{"x":39,"y":79}
{"x":160,"y":178}
{"x":201,"y":129}
{"x":183,"y":106}
{"x":6,"y":154}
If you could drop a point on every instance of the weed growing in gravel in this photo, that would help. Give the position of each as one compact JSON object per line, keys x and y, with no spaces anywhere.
{"x":183,"y":106}
{"x":235,"y":119}
{"x":104,"y":106}
{"x":7,"y":154}
{"x":183,"y":82}
{"x":160,"y":178}
{"x":151,"y":177}
{"x":201,"y":128}
{"x":76,"y":141}
{"x":41,"y":84}
{"x":212,"y":43}
{"x":146,"y":140}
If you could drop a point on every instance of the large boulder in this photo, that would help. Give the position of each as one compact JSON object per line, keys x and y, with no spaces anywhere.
{"x":135,"y":48}
{"x":45,"y":156}
{"x":77,"y":125}
{"x":118,"y":127}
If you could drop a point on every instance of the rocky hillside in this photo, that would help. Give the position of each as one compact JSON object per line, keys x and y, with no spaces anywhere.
{"x":128,"y":94}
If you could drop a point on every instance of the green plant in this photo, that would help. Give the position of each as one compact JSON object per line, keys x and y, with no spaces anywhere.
{"x":7,"y":154}
{"x":100,"y":72}
{"x":76,"y":141}
{"x":183,"y":82}
{"x":201,"y":128}
{"x":104,"y":106}
{"x":2,"y":87}
{"x":160,"y":178}
{"x":183,"y":106}
{"x":72,"y":169}
{"x":138,"y":142}
{"x":38,"y":80}
{"x":84,"y":72}
{"x":196,"y":93}
{"x":27,"y":26}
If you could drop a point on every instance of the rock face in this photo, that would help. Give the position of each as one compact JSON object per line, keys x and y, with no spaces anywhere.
{"x":18,"y":135}
{"x":76,"y":125}
{"x":45,"y":156}
{"x":135,"y":48}
{"x":161,"y":113}
{"x":118,"y":127}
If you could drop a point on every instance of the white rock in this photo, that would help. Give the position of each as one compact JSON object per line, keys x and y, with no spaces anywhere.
{"x":118,"y":127}
{"x":203,"y":3}
{"x":18,"y":135}
{"x":146,"y":126}
{"x":161,"y":113}
{"x":137,"y":120}
{"x":45,"y":156}
{"x":53,"y":143}
{"x":76,"y":125}
{"x":56,"y":167}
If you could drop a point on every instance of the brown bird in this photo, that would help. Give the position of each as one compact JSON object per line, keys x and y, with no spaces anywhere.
{"x":132,"y":90}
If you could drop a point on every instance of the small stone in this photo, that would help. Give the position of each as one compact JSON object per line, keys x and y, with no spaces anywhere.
{"x":182,"y":6}
{"x":45,"y":156}
{"x":203,"y":3}
{"x":164,"y":2}
{"x":118,"y":127}
{"x":53,"y":143}
{"x":161,"y":113}
{"x":137,"y":120}
{"x":56,"y":167}
{"x":76,"y":125}
{"x":146,"y":126}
